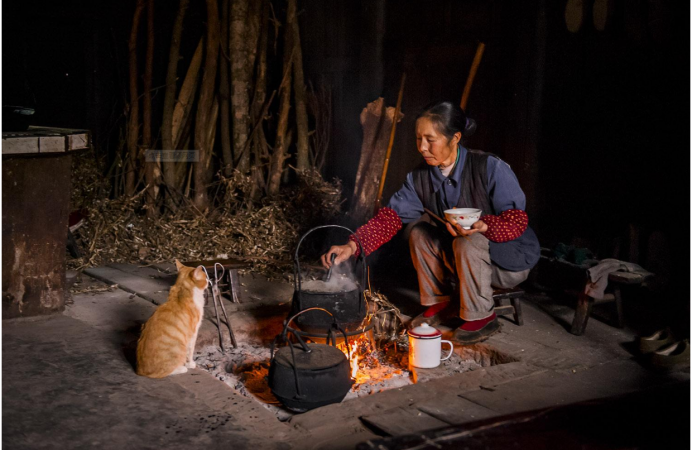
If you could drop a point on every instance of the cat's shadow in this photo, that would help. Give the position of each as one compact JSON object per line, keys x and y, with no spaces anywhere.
{"x":129,"y":343}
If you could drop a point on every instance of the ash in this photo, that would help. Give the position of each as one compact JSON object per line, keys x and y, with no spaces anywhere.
{"x":245,"y":369}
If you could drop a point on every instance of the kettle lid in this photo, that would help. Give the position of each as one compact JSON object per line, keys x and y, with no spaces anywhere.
{"x":425,"y":331}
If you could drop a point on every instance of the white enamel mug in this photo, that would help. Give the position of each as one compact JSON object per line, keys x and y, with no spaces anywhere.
{"x":425,"y":344}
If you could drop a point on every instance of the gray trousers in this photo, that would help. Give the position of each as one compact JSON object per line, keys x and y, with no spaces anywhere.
{"x":450,"y":267}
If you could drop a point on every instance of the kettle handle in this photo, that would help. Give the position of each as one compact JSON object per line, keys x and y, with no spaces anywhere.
{"x":297,"y":265}
{"x":283,"y":337}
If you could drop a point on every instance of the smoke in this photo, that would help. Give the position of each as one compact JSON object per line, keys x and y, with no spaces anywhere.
{"x":342,"y":280}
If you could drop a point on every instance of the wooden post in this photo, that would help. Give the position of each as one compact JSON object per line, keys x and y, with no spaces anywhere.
{"x":472,"y":74}
{"x":398,"y":107}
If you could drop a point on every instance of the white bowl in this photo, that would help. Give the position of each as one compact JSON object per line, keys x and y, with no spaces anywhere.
{"x":465,"y":217}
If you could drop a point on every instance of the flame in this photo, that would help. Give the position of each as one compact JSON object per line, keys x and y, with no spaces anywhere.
{"x":359,"y":349}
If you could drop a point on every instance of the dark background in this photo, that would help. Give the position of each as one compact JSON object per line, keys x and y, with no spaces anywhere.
{"x":595,"y":123}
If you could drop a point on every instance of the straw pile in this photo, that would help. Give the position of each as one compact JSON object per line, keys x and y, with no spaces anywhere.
{"x":263,"y":233}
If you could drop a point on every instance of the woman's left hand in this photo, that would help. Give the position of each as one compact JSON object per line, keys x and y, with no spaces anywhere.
{"x":457,"y":230}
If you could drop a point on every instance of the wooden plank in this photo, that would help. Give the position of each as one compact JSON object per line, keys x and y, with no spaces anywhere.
{"x":52,"y":144}
{"x":454,"y":410}
{"x":402,"y":420}
{"x":18,"y":146}
{"x":77,"y":141}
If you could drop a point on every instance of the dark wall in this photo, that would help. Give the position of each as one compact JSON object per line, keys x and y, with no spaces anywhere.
{"x":594,"y":123}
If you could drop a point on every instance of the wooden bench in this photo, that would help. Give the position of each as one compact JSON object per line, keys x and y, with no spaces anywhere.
{"x":613,"y":294}
{"x":231,"y":267}
{"x":513,"y":295}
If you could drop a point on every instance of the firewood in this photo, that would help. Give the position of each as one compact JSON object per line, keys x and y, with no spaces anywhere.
{"x":167,"y":135}
{"x":279,"y":153}
{"x":152,"y":169}
{"x":224,"y":61}
{"x":186,"y":97}
{"x":240,"y":84}
{"x":390,"y":144}
{"x":302,"y":150}
{"x":204,"y":108}
{"x":133,"y":120}
{"x":376,"y":121}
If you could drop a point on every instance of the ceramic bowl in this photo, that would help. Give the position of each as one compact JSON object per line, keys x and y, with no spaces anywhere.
{"x":465,"y":217}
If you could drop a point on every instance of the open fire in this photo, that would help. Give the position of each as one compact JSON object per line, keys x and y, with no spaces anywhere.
{"x":371,"y":366}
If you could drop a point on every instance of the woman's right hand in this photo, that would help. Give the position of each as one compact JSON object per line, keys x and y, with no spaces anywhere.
{"x":343,"y":253}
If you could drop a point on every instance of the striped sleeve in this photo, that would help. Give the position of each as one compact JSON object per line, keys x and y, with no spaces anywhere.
{"x":377,"y":231}
{"x":506,"y":226}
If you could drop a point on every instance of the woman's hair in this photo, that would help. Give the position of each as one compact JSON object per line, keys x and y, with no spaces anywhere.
{"x":448,"y":118}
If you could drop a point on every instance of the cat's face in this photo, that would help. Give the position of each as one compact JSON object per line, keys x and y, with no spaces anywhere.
{"x":191,"y":277}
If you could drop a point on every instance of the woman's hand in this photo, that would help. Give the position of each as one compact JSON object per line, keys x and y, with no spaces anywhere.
{"x":457,"y":230}
{"x":343,"y":253}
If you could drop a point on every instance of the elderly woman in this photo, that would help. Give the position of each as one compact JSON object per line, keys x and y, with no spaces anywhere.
{"x":456,"y":268}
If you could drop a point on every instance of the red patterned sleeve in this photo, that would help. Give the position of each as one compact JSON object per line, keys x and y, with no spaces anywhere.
{"x":507,"y":226}
{"x":377,"y":231}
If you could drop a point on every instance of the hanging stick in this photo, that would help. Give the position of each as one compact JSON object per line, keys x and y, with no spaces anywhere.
{"x":472,"y":74}
{"x":389,"y":145}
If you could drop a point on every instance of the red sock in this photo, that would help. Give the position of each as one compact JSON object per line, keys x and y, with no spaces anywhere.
{"x":435,"y":309}
{"x":476,"y":325}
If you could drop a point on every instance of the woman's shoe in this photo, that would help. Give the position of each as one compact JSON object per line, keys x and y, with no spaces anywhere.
{"x":436,"y":314}
{"x":471,"y":332}
{"x":649,"y":344}
{"x":672,"y":355}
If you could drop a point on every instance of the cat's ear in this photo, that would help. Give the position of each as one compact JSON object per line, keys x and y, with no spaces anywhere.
{"x":178,"y":265}
{"x":199,"y":274}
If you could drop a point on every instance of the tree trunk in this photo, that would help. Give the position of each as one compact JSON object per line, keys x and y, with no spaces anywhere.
{"x":167,"y":136}
{"x":227,"y":155}
{"x":279,"y":154}
{"x":186,"y":97}
{"x":376,"y":121}
{"x":133,"y":120}
{"x":152,"y":169}
{"x":204,"y":108}
{"x":259,"y":139}
{"x":302,"y":150}
{"x":238,"y":48}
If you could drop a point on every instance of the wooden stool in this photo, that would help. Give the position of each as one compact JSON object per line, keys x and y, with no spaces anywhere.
{"x":585,"y":302}
{"x":514,"y":308}
{"x":231,"y":267}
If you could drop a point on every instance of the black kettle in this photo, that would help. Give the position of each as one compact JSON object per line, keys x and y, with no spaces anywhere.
{"x":306,"y":376}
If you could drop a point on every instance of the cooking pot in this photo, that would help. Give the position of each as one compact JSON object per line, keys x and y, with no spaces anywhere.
{"x":306,"y":376}
{"x":347,"y":306}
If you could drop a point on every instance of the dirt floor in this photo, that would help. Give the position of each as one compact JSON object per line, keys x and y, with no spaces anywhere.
{"x":68,"y":379}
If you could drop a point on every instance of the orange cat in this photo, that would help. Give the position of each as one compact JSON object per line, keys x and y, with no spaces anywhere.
{"x":167,"y":343}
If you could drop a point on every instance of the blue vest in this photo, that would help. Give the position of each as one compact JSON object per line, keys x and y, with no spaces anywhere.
{"x":516,"y":255}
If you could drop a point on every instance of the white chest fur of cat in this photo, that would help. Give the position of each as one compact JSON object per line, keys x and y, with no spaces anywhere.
{"x":167,"y":344}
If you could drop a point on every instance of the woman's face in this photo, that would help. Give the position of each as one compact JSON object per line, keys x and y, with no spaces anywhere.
{"x":434,"y":146}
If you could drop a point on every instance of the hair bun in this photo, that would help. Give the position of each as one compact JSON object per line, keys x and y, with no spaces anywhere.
{"x":469,"y":127}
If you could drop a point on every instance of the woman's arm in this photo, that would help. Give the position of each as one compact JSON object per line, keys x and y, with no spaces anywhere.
{"x":508,"y":200}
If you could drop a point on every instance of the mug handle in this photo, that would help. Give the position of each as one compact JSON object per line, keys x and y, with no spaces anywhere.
{"x":451,"y":349}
